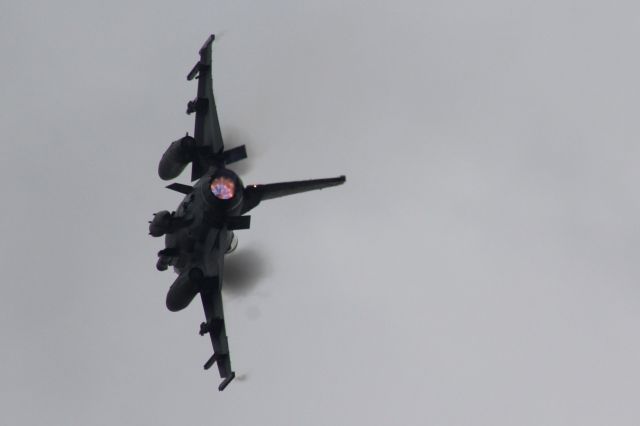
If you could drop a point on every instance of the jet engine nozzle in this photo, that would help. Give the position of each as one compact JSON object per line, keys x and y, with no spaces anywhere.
{"x":224,"y":194}
{"x":176,"y":157}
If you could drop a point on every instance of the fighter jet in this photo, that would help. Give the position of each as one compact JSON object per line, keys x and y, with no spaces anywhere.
{"x":200,"y":232}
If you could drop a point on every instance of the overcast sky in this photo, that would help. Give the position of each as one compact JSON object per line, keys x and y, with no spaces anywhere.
{"x":479,"y":267}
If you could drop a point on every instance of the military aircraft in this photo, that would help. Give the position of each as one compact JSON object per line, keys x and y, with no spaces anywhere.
{"x":200,"y":232}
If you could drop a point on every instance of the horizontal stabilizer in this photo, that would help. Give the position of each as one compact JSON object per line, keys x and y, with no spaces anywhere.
{"x":254,"y":194}
{"x":231,"y":222}
{"x":181,"y":188}
{"x":238,"y":222}
{"x":235,"y":154}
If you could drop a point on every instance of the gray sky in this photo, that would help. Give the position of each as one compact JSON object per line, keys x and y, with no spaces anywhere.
{"x":480,"y":266}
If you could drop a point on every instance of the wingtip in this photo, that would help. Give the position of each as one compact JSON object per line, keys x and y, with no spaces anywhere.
{"x":207,"y":43}
{"x":226,"y":381}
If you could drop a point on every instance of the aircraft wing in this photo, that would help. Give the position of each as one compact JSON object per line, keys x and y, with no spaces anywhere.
{"x":214,"y":325}
{"x":207,"y":128}
{"x":254,"y":194}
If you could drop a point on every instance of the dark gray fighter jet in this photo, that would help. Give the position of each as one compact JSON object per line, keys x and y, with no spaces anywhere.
{"x":200,"y":232}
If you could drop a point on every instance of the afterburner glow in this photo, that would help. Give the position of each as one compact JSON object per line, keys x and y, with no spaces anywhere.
{"x":223,"y":188}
